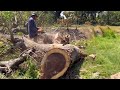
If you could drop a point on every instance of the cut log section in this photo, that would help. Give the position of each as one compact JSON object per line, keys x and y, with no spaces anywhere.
{"x":54,"y":59}
{"x":55,"y":63}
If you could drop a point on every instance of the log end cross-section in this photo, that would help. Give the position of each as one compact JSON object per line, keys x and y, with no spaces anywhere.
{"x":54,"y":63}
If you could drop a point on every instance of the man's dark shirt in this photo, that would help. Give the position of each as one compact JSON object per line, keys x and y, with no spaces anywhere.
{"x":32,"y":29}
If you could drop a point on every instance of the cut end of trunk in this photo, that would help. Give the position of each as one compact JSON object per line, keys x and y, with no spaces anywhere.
{"x":55,"y":63}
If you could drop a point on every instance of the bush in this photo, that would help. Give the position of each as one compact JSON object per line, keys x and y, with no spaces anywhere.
{"x":32,"y":72}
{"x":109,"y":33}
{"x":115,"y":23}
{"x":46,"y":18}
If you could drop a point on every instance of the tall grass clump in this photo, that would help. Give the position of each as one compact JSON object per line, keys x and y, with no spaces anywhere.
{"x":108,"y":32}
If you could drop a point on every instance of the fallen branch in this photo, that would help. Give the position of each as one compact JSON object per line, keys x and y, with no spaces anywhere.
{"x":13,"y":64}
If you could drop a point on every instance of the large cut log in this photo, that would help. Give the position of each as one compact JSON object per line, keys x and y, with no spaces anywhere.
{"x":54,"y":59}
{"x":44,"y":48}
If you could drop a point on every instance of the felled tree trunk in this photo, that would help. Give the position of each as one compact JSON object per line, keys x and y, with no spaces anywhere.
{"x":54,"y":59}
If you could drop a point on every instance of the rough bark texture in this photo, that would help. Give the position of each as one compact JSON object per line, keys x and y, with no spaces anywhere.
{"x":41,"y":49}
{"x":52,"y":52}
{"x":53,"y":59}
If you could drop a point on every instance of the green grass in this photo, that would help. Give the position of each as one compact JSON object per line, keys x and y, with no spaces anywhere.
{"x":107,"y":60}
{"x":30,"y":71}
{"x":108,"y":32}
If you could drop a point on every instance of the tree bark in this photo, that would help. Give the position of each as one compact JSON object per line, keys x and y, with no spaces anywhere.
{"x":54,"y":59}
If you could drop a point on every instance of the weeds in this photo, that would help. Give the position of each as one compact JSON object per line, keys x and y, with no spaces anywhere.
{"x":31,"y":71}
{"x":108,"y":32}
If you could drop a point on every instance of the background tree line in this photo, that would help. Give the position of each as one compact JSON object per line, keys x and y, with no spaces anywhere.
{"x":12,"y":18}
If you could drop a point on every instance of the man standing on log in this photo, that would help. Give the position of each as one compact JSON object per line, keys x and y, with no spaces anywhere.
{"x":32,"y":28}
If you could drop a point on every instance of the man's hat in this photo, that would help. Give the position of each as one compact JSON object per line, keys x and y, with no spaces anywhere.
{"x":34,"y":14}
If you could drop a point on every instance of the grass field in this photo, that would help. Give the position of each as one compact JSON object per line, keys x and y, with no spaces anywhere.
{"x":107,"y":60}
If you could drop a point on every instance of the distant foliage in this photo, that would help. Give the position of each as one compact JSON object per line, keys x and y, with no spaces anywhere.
{"x":46,"y":18}
{"x":7,"y":15}
{"x":6,"y":18}
{"x":95,"y":17}
{"x":50,"y":17}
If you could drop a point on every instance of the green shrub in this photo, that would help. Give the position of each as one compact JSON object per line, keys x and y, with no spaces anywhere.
{"x":32,"y":72}
{"x":109,"y":33}
{"x":2,"y":76}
